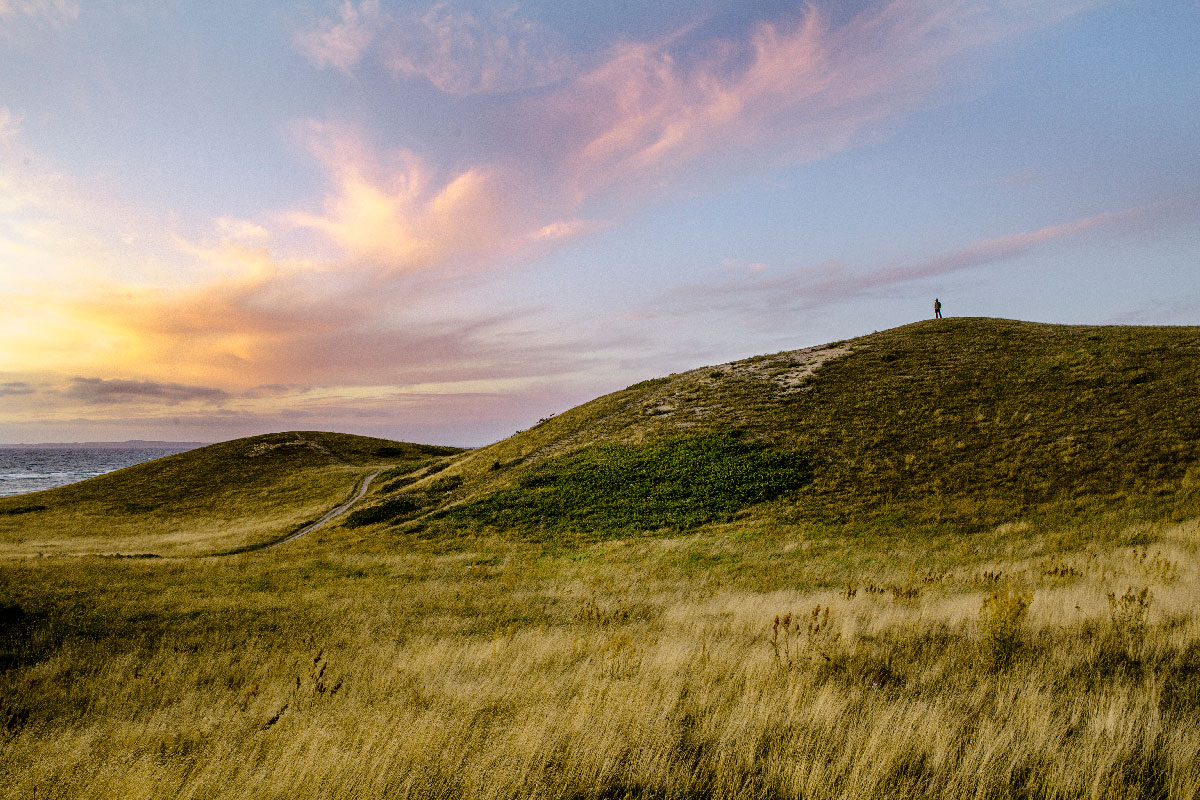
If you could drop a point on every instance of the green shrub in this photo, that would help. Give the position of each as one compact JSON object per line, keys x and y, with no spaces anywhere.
{"x":649,"y":384}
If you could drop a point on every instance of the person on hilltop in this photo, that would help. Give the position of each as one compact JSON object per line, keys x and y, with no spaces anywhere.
{"x":937,"y":308}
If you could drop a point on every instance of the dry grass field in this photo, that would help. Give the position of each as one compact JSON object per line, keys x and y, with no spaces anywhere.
{"x":623,"y":670}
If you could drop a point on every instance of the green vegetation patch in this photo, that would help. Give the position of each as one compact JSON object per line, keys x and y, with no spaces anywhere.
{"x":391,"y":510}
{"x":398,"y":483}
{"x":406,"y":505}
{"x":678,"y":483}
{"x":446,"y":483}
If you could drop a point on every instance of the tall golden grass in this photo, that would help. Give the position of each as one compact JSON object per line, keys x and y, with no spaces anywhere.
{"x":512,"y":675}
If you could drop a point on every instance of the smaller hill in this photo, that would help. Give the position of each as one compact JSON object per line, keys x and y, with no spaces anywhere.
{"x":233,"y":495}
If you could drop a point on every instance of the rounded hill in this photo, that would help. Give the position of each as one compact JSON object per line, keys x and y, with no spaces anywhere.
{"x":969,"y":421}
{"x":220,"y":497}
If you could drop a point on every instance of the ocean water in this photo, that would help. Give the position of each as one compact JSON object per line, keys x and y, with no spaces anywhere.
{"x":24,"y":470}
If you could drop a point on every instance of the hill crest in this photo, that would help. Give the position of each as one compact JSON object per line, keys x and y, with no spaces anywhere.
{"x":973,"y":420}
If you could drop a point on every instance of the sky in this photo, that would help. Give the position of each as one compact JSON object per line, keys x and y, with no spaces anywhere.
{"x":442,"y":221}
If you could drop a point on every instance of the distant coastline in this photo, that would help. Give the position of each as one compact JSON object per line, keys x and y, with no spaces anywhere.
{"x":129,"y":444}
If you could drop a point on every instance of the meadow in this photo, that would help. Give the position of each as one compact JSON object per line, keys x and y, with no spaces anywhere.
{"x":737,"y":663}
{"x":786,"y":595}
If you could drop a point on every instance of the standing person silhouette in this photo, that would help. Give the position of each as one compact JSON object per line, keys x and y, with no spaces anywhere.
{"x":937,"y":308}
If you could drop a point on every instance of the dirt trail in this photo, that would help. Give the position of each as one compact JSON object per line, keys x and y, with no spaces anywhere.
{"x":331,"y":515}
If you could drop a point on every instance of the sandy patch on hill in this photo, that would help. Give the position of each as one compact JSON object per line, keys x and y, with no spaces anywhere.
{"x":788,"y":370}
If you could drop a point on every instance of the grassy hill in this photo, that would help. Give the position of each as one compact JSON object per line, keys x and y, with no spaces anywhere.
{"x":963,"y":422}
{"x":216,"y":498}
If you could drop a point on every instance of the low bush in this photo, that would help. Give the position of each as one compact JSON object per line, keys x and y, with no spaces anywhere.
{"x":1128,"y":613}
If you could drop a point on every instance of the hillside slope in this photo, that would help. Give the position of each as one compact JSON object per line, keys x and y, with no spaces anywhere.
{"x":221,"y":497}
{"x":972,"y":422}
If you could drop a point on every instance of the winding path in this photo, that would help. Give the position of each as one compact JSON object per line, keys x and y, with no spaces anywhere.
{"x":331,"y":515}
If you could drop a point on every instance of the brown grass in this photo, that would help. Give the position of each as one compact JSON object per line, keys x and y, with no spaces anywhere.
{"x":500,"y":671}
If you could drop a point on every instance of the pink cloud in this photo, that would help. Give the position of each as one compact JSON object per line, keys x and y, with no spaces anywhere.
{"x":340,"y":44}
{"x":804,"y":87}
{"x":1000,"y":248}
{"x":463,"y":53}
{"x":397,"y":213}
{"x":562,"y":229}
{"x":53,"y":12}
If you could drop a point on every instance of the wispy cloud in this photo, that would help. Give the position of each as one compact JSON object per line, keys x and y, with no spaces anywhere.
{"x":340,"y":43}
{"x":806,"y":86}
{"x":395,"y":302}
{"x":465,"y":418}
{"x":464,"y":53}
{"x":796,"y":88}
{"x":459,"y":51}
{"x":562,"y":229}
{"x":760,"y":296}
{"x":397,"y":214}
{"x":345,"y":329}
{"x":241,"y":230}
{"x":10,"y":126}
{"x":116,"y":390}
{"x":54,"y":12}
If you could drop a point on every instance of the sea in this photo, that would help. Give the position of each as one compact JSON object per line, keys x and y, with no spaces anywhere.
{"x":32,"y":468}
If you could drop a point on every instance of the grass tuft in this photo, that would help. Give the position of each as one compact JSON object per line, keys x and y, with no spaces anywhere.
{"x":1001,"y":616}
